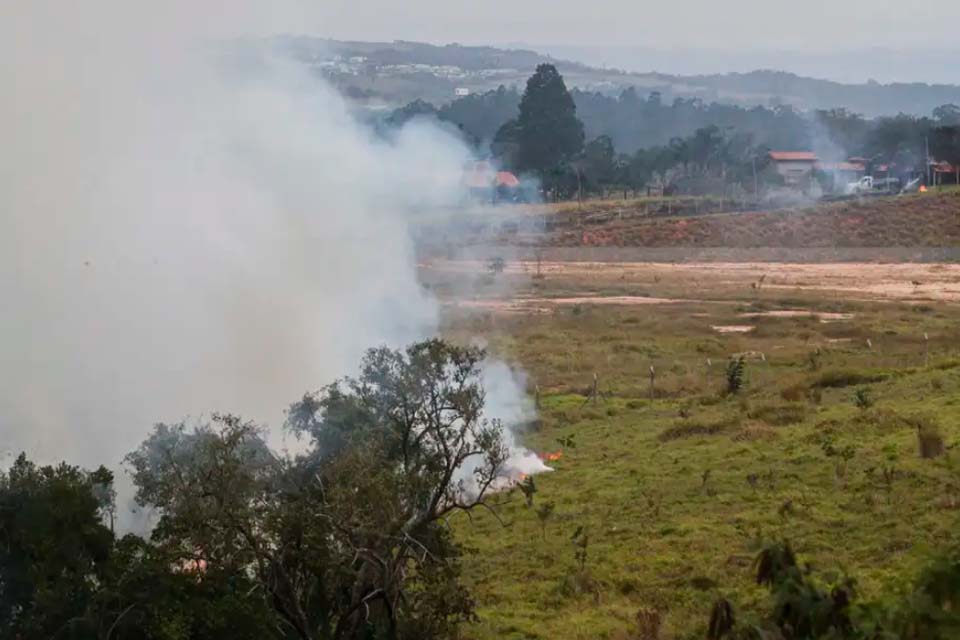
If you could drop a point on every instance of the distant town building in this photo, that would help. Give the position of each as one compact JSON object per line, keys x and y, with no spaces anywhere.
{"x":794,"y":166}
{"x":484,"y":182}
{"x":461,"y":92}
{"x":844,"y":172}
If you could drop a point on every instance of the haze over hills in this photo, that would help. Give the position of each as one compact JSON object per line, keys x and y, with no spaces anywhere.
{"x":389,"y":74}
{"x":852,"y":65}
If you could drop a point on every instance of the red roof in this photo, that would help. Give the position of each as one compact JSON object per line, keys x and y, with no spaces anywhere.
{"x":482,"y":176}
{"x":507,"y":179}
{"x":943,"y":167}
{"x":793,"y":156}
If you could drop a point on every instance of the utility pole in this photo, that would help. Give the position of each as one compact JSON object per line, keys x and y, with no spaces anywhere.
{"x":926,"y":140}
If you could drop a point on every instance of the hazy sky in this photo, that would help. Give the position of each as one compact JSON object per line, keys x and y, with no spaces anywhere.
{"x":802,"y":25}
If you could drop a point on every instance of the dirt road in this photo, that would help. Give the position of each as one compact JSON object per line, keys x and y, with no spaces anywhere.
{"x":647,"y":283}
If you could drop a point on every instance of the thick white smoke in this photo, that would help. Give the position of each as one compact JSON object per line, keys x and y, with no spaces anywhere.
{"x":185,"y":230}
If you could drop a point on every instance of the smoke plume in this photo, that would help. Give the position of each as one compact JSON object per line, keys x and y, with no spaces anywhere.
{"x":184,"y":228}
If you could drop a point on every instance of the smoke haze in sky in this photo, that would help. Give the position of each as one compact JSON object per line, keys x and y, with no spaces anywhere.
{"x":846,"y":40}
{"x":182,"y":232}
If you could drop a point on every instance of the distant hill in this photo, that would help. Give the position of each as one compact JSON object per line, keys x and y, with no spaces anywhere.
{"x":394,"y":73}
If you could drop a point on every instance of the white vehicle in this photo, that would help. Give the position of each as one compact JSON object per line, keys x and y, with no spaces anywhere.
{"x":869,"y":184}
{"x":863,"y":185}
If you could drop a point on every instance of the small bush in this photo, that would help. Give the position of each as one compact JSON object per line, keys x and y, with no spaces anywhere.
{"x":794,"y":393}
{"x":579,"y":583}
{"x":691,"y":428}
{"x":649,"y":621}
{"x":779,"y":415}
{"x":736,"y":370}
{"x":946,"y":365}
{"x":754,"y":431}
{"x":862,"y":399}
{"x":883,"y":420}
{"x":839,"y":378}
{"x":929,"y":438}
{"x":722,"y":620}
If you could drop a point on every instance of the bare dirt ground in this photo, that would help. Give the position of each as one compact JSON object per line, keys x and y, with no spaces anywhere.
{"x":550,"y":284}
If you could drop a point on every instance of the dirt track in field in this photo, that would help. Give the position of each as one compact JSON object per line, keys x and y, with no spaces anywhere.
{"x":903,"y":282}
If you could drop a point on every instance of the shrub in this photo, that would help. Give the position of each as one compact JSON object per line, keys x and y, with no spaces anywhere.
{"x":794,"y":393}
{"x":649,"y":621}
{"x":779,"y":415}
{"x":863,"y":399}
{"x":690,"y":428}
{"x":722,"y":620}
{"x":528,"y":488}
{"x":754,"y":431}
{"x":804,"y":607}
{"x":882,"y":419}
{"x":839,"y":378}
{"x":736,"y":370}
{"x":929,"y":437}
{"x":946,"y":365}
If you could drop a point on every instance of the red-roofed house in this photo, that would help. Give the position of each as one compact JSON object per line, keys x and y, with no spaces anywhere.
{"x":794,"y":166}
{"x":485,"y":183}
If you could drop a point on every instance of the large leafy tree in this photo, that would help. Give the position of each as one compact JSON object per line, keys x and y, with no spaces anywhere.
{"x":600,"y":161}
{"x":64,"y":576}
{"x":549,"y":132}
{"x":54,"y":548}
{"x":347,"y":540}
{"x":947,"y":115}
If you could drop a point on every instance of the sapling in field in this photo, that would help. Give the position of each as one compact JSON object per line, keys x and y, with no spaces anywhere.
{"x":930,"y":441}
{"x":581,"y":544}
{"x":544,"y":513}
{"x":722,"y":620}
{"x":863,"y":399}
{"x":735,"y":376}
{"x":528,"y":488}
{"x":567,"y":442}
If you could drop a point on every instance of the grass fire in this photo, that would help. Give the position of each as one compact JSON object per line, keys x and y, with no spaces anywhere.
{"x":306,"y":338}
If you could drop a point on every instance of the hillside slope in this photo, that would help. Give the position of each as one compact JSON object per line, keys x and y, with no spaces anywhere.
{"x":914,"y":221}
{"x":434,"y":71}
{"x":678,"y":493}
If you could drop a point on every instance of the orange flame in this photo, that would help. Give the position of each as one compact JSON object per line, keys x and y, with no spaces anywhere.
{"x":923,"y":188}
{"x":552,"y":457}
{"x":521,"y":477}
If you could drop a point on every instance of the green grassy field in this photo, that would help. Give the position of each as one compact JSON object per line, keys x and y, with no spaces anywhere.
{"x":677,"y":492}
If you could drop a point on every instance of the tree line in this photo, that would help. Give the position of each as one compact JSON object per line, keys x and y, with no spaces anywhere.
{"x":574,"y":139}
